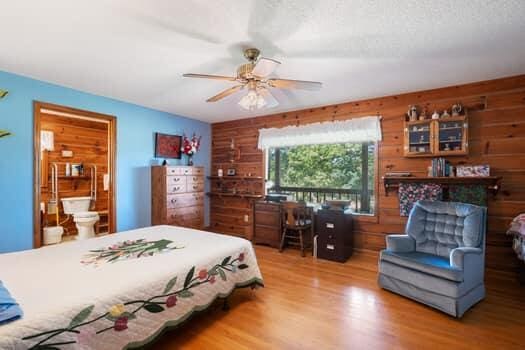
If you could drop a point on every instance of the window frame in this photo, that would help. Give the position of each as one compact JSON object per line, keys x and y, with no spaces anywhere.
{"x":373,"y":201}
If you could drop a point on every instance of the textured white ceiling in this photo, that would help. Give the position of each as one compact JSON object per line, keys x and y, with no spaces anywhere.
{"x":136,"y":51}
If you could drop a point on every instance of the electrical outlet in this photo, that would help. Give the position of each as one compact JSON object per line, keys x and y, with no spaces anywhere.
{"x":246,"y":218}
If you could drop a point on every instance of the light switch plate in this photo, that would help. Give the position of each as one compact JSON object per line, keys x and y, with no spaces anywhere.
{"x":67,"y":154}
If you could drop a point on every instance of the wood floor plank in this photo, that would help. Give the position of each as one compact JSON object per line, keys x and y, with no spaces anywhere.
{"x":317,"y":304}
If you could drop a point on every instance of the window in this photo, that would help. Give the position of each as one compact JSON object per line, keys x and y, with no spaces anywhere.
{"x":316,"y":173}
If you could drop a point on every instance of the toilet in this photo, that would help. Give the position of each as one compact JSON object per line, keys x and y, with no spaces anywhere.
{"x":84,"y":219}
{"x":85,"y":222}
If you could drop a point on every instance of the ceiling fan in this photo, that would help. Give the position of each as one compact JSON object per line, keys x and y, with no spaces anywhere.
{"x":253,"y":76}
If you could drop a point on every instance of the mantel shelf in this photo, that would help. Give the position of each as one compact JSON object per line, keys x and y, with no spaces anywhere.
{"x":492,"y":182}
{"x":238,"y":195}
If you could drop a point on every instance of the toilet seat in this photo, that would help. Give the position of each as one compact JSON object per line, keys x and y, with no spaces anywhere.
{"x":85,"y":215}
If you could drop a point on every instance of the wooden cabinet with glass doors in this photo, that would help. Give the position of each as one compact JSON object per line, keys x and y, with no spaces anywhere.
{"x":436,"y":137}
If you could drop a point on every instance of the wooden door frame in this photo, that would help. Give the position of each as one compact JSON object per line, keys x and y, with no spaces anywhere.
{"x":112,"y":156}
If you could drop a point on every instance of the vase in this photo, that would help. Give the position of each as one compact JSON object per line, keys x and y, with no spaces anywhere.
{"x":190,"y":160}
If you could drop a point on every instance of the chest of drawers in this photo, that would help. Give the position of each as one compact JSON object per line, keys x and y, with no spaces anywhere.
{"x":177,"y":196}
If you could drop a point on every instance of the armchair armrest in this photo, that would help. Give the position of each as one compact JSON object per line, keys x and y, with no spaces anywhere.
{"x":467,"y":258}
{"x":400,"y":243}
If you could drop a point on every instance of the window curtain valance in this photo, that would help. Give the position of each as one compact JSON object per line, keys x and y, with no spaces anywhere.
{"x":365,"y":129}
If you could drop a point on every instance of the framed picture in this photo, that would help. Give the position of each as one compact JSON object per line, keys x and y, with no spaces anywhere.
{"x":473,"y":170}
{"x":167,"y":146}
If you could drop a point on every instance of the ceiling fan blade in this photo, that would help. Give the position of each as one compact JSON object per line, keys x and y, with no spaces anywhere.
{"x":225,"y":93}
{"x":265,"y":67}
{"x":295,"y":84}
{"x":207,"y":76}
{"x":268,"y":97}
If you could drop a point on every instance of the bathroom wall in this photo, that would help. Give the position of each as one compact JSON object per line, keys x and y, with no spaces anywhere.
{"x":88,"y":142}
{"x":136,"y":126}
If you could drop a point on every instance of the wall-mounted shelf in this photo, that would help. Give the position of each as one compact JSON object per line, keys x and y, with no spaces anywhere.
{"x":492,"y":182}
{"x":238,"y":195}
{"x":236,"y":178}
{"x":79,"y":177}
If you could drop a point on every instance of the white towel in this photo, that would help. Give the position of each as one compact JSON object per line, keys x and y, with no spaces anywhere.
{"x":106,"y":182}
{"x":47,"y":140}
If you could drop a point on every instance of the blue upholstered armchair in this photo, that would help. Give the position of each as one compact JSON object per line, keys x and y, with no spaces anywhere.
{"x":441,"y":259}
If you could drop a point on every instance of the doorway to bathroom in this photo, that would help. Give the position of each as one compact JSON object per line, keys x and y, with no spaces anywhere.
{"x":74,"y":174}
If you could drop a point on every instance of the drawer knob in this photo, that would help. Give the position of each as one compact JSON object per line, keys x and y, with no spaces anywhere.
{"x":173,"y":200}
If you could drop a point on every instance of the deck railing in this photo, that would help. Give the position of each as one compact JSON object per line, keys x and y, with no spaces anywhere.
{"x":360,"y":201}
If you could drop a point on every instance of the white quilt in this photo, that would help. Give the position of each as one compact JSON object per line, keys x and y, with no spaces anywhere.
{"x":142,"y":281}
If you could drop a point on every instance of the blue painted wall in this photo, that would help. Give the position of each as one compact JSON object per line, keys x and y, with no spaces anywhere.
{"x":136,"y":126}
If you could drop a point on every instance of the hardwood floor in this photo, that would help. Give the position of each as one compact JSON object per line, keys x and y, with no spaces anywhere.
{"x":317,"y":304}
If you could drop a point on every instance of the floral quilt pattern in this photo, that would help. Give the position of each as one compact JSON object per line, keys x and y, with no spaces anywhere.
{"x":130,"y":249}
{"x":86,"y":325}
{"x":472,"y":194}
{"x":410,"y":193}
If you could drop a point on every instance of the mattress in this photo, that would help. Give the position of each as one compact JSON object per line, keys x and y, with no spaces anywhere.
{"x":121,"y":290}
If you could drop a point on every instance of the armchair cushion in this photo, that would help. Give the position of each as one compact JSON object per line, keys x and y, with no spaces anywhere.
{"x":400,"y":243}
{"x":423,"y":262}
{"x":440,"y":227}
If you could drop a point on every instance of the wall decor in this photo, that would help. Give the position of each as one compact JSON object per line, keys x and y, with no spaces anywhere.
{"x":412,"y":113}
{"x":168,"y":146}
{"x":3,"y":133}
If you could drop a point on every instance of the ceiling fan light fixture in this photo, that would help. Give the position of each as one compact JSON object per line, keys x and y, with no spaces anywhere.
{"x":252,"y":101}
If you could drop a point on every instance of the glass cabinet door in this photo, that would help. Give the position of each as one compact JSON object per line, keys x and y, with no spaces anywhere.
{"x":451,"y":136}
{"x":418,"y":138}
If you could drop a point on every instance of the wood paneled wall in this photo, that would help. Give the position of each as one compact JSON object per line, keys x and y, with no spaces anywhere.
{"x":497,"y":137}
{"x":88,"y":140}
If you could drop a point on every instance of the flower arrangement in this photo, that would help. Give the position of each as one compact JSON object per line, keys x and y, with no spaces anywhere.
{"x":190,"y":146}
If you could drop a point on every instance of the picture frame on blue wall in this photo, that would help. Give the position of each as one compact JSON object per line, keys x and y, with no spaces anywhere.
{"x":168,"y":146}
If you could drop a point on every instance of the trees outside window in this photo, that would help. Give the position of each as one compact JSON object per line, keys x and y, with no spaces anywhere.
{"x":316,"y":173}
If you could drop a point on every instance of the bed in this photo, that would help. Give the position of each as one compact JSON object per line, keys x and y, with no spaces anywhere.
{"x":122,"y":290}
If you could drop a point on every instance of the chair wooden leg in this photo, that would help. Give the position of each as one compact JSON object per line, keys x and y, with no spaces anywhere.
{"x":281,"y":247}
{"x":301,"y":240}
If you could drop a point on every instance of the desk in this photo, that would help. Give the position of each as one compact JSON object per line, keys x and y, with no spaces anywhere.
{"x":267,"y":225}
{"x":333,"y":228}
